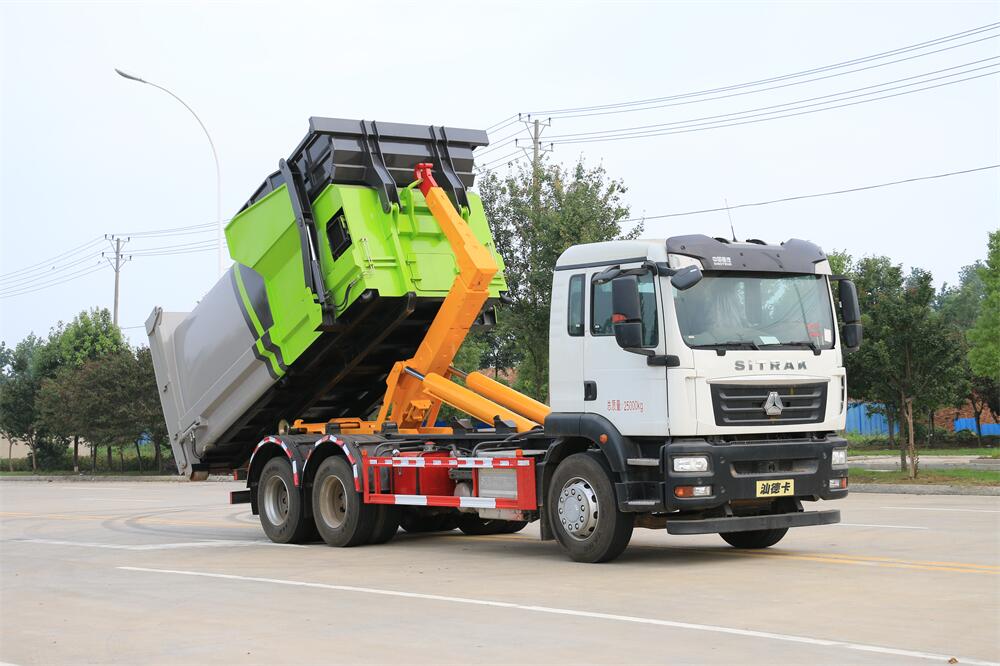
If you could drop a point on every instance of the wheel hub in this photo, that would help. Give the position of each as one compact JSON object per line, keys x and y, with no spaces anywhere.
{"x":333,"y":502}
{"x":276,"y":500}
{"x":577,"y":508}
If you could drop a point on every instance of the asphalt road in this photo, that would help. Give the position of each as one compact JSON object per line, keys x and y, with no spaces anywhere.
{"x":169,"y":573}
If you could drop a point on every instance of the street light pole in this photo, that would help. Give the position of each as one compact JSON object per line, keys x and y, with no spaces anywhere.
{"x":215,"y":155}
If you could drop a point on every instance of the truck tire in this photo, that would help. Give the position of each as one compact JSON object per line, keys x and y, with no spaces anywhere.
{"x":514,"y":526}
{"x":341,"y":516}
{"x":754,"y":538}
{"x":473,"y":525}
{"x":386,"y":523}
{"x":416,"y":521}
{"x":584,"y":513}
{"x":282,"y":514}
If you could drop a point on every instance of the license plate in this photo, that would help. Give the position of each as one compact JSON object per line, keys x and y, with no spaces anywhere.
{"x":777,"y":488}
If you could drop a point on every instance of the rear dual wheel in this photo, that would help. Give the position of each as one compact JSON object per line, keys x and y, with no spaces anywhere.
{"x":279,"y":503}
{"x":342,"y":518}
{"x":421,"y":521}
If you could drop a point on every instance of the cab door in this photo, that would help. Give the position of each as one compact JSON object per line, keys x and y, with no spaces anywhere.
{"x":621,"y":385}
{"x":567,"y":327}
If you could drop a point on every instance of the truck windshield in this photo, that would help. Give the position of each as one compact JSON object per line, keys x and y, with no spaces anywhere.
{"x":756,"y":310}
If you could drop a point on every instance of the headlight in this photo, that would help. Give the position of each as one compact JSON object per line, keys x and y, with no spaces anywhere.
{"x":691,"y":464}
{"x":839,"y":457}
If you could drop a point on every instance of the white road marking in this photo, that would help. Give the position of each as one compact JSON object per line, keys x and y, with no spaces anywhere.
{"x":891,"y":527}
{"x":115,"y":499}
{"x":938,"y":508}
{"x":214,"y":543}
{"x":822,"y":642}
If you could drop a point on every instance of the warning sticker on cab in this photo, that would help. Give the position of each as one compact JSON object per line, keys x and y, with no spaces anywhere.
{"x":776,"y":488}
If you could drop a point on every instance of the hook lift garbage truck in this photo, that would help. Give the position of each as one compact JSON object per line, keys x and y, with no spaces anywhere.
{"x":696,"y":383}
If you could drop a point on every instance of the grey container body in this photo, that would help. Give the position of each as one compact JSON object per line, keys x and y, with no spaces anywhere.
{"x":206,"y":371}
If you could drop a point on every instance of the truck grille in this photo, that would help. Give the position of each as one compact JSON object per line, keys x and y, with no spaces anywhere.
{"x":748,"y":405}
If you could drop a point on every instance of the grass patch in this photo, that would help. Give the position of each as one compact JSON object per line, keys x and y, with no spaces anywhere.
{"x":967,"y":451}
{"x":951,"y":477}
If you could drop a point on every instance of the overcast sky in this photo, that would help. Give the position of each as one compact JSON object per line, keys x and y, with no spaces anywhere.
{"x":85,"y":153}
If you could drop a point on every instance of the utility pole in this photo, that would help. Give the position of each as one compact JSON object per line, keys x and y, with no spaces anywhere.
{"x":119,"y":262}
{"x":535,"y":126}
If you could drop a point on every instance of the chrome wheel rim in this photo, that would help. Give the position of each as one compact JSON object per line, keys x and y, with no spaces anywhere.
{"x":577,"y":507}
{"x":333,"y":502}
{"x":276,"y":500}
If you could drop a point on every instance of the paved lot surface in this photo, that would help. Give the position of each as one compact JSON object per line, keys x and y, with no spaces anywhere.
{"x":927,"y":462}
{"x":168,"y":573}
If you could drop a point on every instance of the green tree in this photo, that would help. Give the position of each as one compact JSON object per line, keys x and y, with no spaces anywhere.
{"x":103,"y":392}
{"x":146,"y":409}
{"x":960,"y":306}
{"x":911,"y":360}
{"x":984,"y":337}
{"x":91,"y":335}
{"x":18,"y":387}
{"x":536,"y":213}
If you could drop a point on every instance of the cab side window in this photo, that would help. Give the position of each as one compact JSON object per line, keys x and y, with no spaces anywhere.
{"x":600,"y":310}
{"x":574,"y":319}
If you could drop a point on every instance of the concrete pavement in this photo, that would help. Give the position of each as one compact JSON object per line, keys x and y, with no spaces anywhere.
{"x":168,"y":573}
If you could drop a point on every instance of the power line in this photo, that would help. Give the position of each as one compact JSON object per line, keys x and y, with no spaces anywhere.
{"x":885,"y":54}
{"x":716,"y":125}
{"x":62,"y":280}
{"x":144,"y":250}
{"x":761,"y":90}
{"x":505,"y":141}
{"x":44,"y":264}
{"x":882,"y":87}
{"x":70,"y":258}
{"x":45,"y":272}
{"x":813,"y":196}
{"x":500,"y":124}
{"x":504,"y":164}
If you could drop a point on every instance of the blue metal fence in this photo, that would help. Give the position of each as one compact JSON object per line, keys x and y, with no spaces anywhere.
{"x":863,"y":421}
{"x":970,"y":424}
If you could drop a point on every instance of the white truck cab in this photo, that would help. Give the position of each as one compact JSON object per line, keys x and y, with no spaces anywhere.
{"x":761,"y":319}
{"x":711,"y":372}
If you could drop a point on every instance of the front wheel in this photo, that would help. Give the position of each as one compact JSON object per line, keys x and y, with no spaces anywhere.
{"x":583,"y":512}
{"x":754,"y":538}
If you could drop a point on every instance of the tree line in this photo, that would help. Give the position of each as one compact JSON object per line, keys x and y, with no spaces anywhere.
{"x":924,"y":349}
{"x":81,"y":384}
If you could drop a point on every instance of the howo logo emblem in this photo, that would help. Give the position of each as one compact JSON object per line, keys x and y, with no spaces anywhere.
{"x":773,"y":405}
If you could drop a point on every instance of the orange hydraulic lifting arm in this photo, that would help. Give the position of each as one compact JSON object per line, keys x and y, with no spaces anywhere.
{"x":416,"y":387}
{"x":407,"y":401}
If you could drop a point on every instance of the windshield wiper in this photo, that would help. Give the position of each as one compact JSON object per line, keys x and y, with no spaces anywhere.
{"x":811,"y":345}
{"x":721,"y":347}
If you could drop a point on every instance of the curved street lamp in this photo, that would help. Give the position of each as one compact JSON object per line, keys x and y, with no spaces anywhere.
{"x":215,"y":155}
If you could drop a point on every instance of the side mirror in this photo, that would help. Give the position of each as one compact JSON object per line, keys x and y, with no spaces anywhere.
{"x":850,"y":315}
{"x":626,"y":317}
{"x":851,"y":337}
{"x":686,"y":278}
{"x":850,"y":310}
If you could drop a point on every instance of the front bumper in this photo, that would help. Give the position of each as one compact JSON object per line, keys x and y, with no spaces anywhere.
{"x":734,"y":470}
{"x":748,"y":523}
